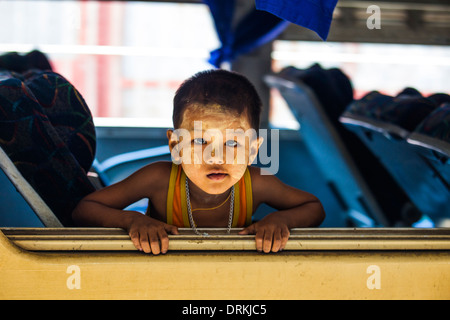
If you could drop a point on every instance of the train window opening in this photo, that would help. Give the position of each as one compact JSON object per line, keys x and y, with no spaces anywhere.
{"x":388,"y":68}
{"x":127,"y":58}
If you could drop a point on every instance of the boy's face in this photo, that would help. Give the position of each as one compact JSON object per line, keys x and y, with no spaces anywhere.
{"x":213,"y":146}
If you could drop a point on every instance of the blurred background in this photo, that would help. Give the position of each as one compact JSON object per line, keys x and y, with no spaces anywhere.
{"x":127,"y":58}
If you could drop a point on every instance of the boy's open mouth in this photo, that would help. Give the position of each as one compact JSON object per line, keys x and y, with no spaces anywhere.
{"x":217,"y":176}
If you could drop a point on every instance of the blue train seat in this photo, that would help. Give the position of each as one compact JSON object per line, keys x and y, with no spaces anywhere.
{"x":324,"y":140}
{"x":432,"y":141}
{"x":403,"y":132}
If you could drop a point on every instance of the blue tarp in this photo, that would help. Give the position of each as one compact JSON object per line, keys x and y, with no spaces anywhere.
{"x":264,"y":23}
{"x":312,"y":14}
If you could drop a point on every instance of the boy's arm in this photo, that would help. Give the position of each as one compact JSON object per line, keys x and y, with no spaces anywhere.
{"x":296,"y":209}
{"x":104,"y":208}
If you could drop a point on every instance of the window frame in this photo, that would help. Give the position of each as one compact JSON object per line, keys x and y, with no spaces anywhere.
{"x":304,"y":239}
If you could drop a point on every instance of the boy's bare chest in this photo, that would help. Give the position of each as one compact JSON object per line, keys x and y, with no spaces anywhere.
{"x":217,"y":218}
{"x":203,"y":216}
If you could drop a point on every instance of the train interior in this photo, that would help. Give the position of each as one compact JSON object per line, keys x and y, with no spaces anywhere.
{"x":361,"y":119}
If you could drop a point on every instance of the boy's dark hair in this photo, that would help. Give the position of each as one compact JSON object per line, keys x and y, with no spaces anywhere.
{"x":228,"y":89}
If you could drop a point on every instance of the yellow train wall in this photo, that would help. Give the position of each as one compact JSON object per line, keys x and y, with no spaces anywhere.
{"x":313,"y":274}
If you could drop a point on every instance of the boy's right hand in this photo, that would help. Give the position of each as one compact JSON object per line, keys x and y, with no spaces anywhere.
{"x":150,"y":235}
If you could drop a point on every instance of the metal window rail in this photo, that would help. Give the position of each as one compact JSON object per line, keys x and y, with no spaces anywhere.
{"x":112,"y":239}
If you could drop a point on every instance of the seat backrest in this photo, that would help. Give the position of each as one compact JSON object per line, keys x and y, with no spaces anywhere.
{"x":385,"y":126}
{"x":329,"y":151}
{"x":47,"y":133}
{"x":433,"y":133}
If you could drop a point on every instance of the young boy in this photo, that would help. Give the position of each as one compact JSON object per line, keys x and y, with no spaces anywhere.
{"x":210,"y":182}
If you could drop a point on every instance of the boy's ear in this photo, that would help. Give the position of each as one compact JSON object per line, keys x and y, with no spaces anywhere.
{"x":172,"y":142}
{"x":169,"y":133}
{"x":254,"y":147}
{"x":177,"y":138}
{"x":173,"y":138}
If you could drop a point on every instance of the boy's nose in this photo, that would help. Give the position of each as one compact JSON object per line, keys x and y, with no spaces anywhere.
{"x":216,"y":157}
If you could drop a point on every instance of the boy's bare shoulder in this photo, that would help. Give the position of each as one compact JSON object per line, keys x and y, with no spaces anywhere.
{"x":268,"y":188}
{"x":153,"y":174}
{"x":260,"y":177}
{"x":158,"y":169}
{"x":148,"y":181}
{"x":263,"y":185}
{"x":161,"y":165}
{"x":260,"y":173}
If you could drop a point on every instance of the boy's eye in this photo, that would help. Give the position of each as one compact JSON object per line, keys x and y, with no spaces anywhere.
{"x":199,"y":141}
{"x":231,"y":143}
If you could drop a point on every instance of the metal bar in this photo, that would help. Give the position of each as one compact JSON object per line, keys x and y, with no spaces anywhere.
{"x":341,"y":239}
{"x":42,"y":210}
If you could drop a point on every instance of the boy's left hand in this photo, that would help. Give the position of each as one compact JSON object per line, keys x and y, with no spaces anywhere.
{"x":271,"y":233}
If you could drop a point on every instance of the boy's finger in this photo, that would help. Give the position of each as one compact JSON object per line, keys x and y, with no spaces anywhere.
{"x":284,"y":238}
{"x":164,"y":241}
{"x":135,"y":239}
{"x":171,"y":229}
{"x":154,"y":244}
{"x":268,"y":236}
{"x":249,"y":230}
{"x":276,"y":245}
{"x":134,"y":236}
{"x":259,"y":240}
{"x":144,"y":242}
